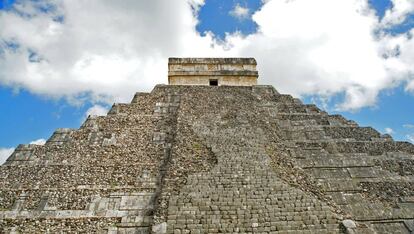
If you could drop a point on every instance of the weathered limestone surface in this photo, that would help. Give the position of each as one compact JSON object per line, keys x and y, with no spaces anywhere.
{"x":199,"y":71}
{"x":197,"y":159}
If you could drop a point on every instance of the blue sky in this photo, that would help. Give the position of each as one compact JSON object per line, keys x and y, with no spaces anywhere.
{"x":30,"y":111}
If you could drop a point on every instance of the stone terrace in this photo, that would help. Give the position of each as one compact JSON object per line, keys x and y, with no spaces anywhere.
{"x":199,"y":159}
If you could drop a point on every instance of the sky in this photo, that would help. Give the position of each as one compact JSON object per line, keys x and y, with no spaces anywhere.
{"x":61,"y":60}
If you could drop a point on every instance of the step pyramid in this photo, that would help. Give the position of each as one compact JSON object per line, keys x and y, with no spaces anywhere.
{"x":211,"y":159}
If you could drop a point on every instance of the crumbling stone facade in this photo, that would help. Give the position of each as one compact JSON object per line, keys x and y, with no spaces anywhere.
{"x":197,"y":159}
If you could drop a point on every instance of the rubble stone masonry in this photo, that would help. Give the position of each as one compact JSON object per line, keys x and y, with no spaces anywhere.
{"x":203,"y":159}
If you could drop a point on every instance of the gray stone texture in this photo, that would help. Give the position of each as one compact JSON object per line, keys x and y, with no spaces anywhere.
{"x":198,"y":159}
{"x":199,"y":71}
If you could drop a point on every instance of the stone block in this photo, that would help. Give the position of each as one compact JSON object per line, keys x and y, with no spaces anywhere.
{"x":136,"y":202}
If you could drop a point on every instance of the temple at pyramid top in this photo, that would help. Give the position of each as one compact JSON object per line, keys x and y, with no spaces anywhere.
{"x":212,"y":71}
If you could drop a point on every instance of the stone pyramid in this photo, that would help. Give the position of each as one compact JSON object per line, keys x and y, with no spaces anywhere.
{"x":211,"y":159}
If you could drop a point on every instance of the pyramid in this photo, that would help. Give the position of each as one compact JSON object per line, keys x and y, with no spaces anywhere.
{"x":211,"y":157}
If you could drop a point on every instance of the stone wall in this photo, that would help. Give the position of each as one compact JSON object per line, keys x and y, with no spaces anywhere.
{"x":199,"y":71}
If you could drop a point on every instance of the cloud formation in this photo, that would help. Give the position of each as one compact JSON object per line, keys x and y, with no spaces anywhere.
{"x":40,"y":141}
{"x":410,"y":137}
{"x":398,"y":13}
{"x":104,"y":49}
{"x":389,"y":130}
{"x":326,"y":48}
{"x":96,"y":110}
{"x":107,"y":50}
{"x":239,"y":12}
{"x":408,"y":126}
{"x":4,"y":154}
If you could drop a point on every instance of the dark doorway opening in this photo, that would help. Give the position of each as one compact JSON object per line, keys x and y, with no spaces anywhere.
{"x":213,"y":82}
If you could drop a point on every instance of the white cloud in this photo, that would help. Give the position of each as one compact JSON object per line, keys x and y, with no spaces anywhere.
{"x":301,"y":52}
{"x":109,"y":50}
{"x":40,"y":141}
{"x":96,"y":110}
{"x":106,"y":49}
{"x":389,"y":130}
{"x":399,"y":12}
{"x":408,"y":125}
{"x":4,"y":154}
{"x":410,"y":137}
{"x":239,"y":12}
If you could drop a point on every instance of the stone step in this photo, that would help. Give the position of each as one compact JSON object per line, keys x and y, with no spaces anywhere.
{"x":318,"y":132}
{"x":85,"y":225}
{"x":140,"y":96}
{"x":354,"y":146}
{"x":23,"y":152}
{"x":60,"y":136}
